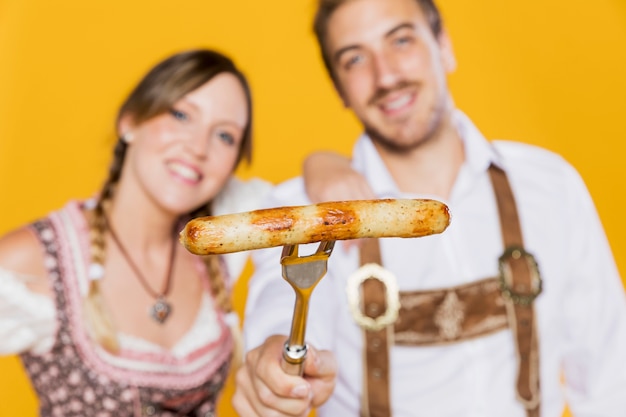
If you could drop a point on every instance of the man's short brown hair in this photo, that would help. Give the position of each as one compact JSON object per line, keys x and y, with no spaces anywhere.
{"x":325,"y":9}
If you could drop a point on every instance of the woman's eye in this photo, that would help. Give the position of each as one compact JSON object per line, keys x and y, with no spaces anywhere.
{"x":179,"y":115}
{"x":227,"y":138}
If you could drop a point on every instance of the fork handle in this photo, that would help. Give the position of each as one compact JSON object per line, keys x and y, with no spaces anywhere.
{"x":293,"y":359}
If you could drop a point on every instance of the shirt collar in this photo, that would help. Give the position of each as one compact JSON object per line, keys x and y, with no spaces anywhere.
{"x":479,"y":152}
{"x":368,"y":162}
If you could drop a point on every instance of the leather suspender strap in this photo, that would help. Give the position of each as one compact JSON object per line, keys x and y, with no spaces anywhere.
{"x":376,"y":368}
{"x":520,"y":283}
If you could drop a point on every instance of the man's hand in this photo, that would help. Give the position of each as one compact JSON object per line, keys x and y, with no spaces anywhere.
{"x":265,"y":390}
{"x":329,"y":176}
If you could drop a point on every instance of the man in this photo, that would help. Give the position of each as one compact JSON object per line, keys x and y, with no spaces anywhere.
{"x":515,"y":310}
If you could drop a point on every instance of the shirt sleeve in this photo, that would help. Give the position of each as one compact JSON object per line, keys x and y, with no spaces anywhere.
{"x":236,"y":197}
{"x":27,"y":319}
{"x":595,"y":314}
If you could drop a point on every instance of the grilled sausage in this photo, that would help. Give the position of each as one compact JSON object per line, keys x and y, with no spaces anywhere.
{"x":338,"y":220}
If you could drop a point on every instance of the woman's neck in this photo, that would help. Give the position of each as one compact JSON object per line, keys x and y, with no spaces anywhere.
{"x":139,"y":222}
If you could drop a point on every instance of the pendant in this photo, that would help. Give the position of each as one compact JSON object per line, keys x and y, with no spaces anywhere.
{"x":161,"y":310}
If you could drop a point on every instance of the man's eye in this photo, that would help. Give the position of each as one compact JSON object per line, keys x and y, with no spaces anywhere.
{"x":227,"y":138}
{"x":179,"y":115}
{"x":403,"y":40}
{"x":353,"y":60}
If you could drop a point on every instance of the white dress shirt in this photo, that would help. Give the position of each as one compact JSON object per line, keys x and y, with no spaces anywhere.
{"x":581,"y":312}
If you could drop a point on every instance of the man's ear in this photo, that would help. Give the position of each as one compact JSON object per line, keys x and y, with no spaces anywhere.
{"x":344,"y":101}
{"x":125,"y":128}
{"x":447,"y":53}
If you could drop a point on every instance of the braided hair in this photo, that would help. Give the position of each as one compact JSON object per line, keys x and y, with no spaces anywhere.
{"x":156,"y":93}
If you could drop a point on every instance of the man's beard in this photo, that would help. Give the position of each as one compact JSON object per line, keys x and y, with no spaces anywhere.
{"x":392,"y":144}
{"x":388,"y":143}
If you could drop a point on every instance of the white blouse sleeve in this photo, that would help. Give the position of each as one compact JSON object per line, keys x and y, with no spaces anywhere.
{"x":27,"y":319}
{"x":236,"y":197}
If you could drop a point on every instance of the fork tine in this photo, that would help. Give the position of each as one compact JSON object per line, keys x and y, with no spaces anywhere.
{"x":326,"y":247}
{"x":289,"y":251}
{"x":303,"y":273}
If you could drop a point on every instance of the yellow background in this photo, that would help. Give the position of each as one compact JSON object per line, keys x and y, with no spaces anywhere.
{"x":550,"y":73}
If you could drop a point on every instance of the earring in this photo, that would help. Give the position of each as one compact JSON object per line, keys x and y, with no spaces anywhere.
{"x":127,"y":137}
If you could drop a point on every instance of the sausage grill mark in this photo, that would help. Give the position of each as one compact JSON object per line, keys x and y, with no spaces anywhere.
{"x":339,"y":220}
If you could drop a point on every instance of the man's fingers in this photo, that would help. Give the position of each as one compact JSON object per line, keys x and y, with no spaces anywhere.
{"x":320,"y":363}
{"x":321,"y":371}
{"x":256,"y":399}
{"x":264,"y":390}
{"x":265,"y":363}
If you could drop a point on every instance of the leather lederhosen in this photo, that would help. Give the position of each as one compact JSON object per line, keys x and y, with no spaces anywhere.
{"x":449,"y":315}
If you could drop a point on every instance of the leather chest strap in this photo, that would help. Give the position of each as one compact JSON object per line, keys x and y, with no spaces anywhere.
{"x":520,"y":284}
{"x":376,"y":367}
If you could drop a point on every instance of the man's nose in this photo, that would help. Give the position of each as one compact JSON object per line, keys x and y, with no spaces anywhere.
{"x":385,"y":70}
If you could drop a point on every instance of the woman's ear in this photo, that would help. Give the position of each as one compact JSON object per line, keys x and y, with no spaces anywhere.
{"x":125,"y":129}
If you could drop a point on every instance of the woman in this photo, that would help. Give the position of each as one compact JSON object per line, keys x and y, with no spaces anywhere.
{"x":110,"y":315}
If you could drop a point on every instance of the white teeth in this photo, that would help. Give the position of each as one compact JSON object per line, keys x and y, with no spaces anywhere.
{"x":184,"y":171}
{"x":398,"y":103}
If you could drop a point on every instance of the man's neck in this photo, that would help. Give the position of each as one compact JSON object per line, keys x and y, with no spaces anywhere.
{"x":431,"y":168}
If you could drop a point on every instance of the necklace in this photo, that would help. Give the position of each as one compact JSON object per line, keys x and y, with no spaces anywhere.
{"x":161,"y":309}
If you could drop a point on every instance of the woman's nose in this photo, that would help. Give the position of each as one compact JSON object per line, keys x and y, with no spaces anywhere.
{"x":198,"y":143}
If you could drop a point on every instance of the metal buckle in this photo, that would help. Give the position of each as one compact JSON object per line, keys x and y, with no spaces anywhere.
{"x":516,"y":295}
{"x":392,"y":297}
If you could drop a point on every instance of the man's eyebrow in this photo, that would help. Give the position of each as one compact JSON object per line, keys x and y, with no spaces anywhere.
{"x":391,"y":32}
{"x":405,"y":25}
{"x":342,"y":51}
